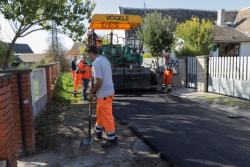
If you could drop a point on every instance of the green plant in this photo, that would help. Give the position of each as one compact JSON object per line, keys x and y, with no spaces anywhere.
{"x":3,"y":48}
{"x":197,"y":36}
{"x":27,"y":16}
{"x":158,"y":33}
{"x":63,"y":92}
{"x":147,"y":55}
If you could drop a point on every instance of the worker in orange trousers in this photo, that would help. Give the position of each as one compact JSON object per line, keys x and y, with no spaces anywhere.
{"x":73,"y":68}
{"x":85,"y":73}
{"x":77,"y":79}
{"x":167,"y":79}
{"x":103,"y":90}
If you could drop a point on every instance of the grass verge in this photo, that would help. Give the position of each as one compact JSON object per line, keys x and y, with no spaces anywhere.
{"x":48,"y":122}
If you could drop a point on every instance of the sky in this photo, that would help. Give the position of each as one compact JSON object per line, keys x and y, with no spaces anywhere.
{"x":38,"y":41}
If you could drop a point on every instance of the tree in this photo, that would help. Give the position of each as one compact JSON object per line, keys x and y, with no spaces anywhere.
{"x":197,"y":36}
{"x":3,"y":47}
{"x":27,"y":16}
{"x":158,"y":33}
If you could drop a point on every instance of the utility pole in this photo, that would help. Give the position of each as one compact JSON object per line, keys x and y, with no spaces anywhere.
{"x":145,"y":8}
{"x":54,"y":40}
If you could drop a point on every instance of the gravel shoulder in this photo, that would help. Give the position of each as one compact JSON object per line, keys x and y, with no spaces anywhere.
{"x":58,"y":134}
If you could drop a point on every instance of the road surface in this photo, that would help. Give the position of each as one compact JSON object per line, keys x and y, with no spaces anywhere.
{"x":185,"y":132}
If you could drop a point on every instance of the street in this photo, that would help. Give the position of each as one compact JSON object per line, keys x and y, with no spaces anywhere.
{"x":184,"y":132}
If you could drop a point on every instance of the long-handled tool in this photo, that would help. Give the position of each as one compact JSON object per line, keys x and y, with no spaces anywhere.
{"x":88,"y":140}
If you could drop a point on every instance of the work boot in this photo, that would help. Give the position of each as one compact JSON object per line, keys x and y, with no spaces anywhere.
{"x":74,"y":93}
{"x":109,"y":143}
{"x":97,"y":135}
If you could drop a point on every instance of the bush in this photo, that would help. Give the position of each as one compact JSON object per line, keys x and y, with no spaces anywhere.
{"x":3,"y":48}
{"x":187,"y":51}
{"x":147,"y":55}
{"x":157,"y":33}
{"x":197,"y":35}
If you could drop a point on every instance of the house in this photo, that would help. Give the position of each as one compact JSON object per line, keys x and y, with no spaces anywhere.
{"x":242,"y":21}
{"x":181,"y":15}
{"x":20,"y":48}
{"x":30,"y":58}
{"x":232,"y":39}
{"x":76,"y":50}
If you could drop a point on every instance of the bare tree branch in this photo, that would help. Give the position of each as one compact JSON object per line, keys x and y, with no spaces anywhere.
{"x":12,"y":26}
{"x":38,"y":29}
{"x":29,"y":26}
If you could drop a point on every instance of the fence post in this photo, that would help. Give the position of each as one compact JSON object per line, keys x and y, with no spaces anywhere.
{"x":186,"y":60}
{"x":7,"y":128}
{"x":202,"y":73}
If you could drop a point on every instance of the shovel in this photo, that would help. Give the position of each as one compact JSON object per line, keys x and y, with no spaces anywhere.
{"x":85,"y":142}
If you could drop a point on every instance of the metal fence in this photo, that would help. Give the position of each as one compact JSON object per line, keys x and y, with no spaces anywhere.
{"x":38,"y":90}
{"x":191,"y":79}
{"x":230,"y":76}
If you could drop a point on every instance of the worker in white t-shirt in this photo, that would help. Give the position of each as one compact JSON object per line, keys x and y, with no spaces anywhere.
{"x":103,"y":89}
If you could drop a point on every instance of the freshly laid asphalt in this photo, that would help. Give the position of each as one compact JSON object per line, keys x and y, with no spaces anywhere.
{"x":184,"y":132}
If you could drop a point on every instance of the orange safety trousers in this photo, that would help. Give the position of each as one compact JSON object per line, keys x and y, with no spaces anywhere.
{"x":168,"y":77}
{"x":73,"y":74}
{"x":77,"y":81}
{"x":104,"y":114}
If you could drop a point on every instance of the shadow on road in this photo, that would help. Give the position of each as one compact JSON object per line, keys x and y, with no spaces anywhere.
{"x":185,"y":132}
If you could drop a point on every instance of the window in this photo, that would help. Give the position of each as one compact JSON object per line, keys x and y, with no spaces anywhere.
{"x":231,"y":49}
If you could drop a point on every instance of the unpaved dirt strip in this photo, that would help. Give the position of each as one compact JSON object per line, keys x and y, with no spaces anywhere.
{"x":59,"y":132}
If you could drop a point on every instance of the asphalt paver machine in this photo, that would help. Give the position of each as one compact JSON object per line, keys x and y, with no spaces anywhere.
{"x":126,"y":59}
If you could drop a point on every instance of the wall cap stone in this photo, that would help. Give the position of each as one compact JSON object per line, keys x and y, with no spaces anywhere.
{"x":47,"y":65}
{"x":4,"y":77}
{"x":200,"y":56}
{"x":3,"y":164}
{"x":16,"y":71}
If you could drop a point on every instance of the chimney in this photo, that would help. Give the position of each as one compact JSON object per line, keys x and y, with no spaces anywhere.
{"x":221,"y":17}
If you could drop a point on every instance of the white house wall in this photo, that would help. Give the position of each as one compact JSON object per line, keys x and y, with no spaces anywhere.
{"x":245,"y":49}
{"x":215,"y":53}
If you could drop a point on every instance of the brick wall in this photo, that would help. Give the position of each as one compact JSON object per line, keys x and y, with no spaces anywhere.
{"x":7,"y":127}
{"x":17,"y":126}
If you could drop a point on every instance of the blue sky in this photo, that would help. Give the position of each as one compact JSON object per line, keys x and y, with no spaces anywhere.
{"x":38,"y":40}
{"x":104,"y":6}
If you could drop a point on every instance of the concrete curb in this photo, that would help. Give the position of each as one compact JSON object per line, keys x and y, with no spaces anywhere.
{"x":232,"y":114}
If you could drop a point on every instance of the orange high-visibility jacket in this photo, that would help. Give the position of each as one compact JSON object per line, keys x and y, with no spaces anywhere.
{"x":84,"y":70}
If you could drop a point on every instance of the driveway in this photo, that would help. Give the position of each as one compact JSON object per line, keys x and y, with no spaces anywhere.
{"x":185,"y":132}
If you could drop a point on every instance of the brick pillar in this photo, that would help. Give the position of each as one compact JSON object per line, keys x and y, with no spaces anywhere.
{"x":17,"y":113}
{"x":49,"y":82}
{"x":27,"y":113}
{"x":202,"y":73}
{"x":7,"y":128}
{"x":23,"y":114}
